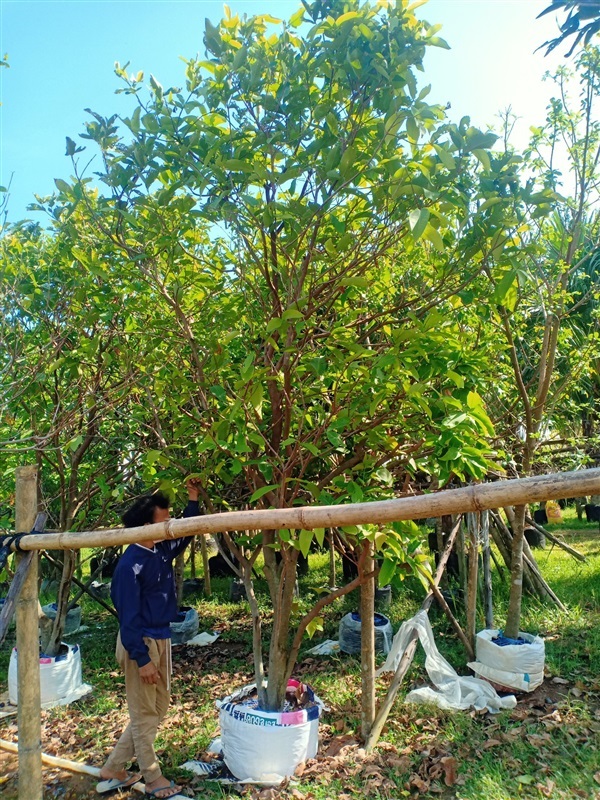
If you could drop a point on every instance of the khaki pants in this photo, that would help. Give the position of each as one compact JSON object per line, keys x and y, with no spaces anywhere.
{"x":147,"y":705}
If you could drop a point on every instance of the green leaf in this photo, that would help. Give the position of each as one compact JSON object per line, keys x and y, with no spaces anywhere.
{"x":62,"y":186}
{"x":320,"y":536}
{"x":457,"y":379}
{"x":483,"y":157}
{"x":445,"y":157}
{"x":386,"y":573}
{"x":412,"y":129}
{"x":418,"y":219}
{"x":305,"y":539}
{"x":433,"y":236}
{"x":313,"y":626}
{"x":502,"y":294}
{"x":262,"y":492}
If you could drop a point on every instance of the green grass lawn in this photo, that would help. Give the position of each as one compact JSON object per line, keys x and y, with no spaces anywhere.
{"x":548,"y":746}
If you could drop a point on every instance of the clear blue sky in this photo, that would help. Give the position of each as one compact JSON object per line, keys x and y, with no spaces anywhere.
{"x":62,"y":54}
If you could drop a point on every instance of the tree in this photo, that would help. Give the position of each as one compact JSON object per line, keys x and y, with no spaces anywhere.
{"x":543,"y":278}
{"x":67,"y":374}
{"x":302,"y":231}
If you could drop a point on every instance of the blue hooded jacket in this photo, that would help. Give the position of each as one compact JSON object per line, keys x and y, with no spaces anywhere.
{"x":143,"y":592}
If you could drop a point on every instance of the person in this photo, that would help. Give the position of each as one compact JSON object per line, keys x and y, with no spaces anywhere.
{"x":143,"y":592}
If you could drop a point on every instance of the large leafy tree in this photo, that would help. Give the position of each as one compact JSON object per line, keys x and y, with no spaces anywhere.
{"x":298,"y":231}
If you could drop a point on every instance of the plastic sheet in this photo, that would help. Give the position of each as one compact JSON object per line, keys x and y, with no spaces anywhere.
{"x":451,"y":691}
{"x":350,"y":633}
{"x":72,"y":621}
{"x":187,"y":626}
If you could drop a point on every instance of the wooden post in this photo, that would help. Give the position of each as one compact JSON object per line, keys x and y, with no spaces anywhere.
{"x":193,"y":557}
{"x":28,"y":650}
{"x":205,"y":567}
{"x":473,"y":528}
{"x":367,"y":641}
{"x":409,"y":653}
{"x":331,"y":542}
{"x":487,"y":571}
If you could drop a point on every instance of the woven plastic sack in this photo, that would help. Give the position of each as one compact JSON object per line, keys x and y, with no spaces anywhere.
{"x":60,"y":677}
{"x":187,"y":626}
{"x":350,"y":633}
{"x":521,"y":658}
{"x":518,"y":681}
{"x":265,"y":746}
{"x":72,"y":621}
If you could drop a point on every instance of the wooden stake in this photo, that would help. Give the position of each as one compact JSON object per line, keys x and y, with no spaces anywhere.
{"x":566,"y":547}
{"x":409,"y":653}
{"x":28,"y":649}
{"x":473,"y":529}
{"x":487,"y":571}
{"x":367,"y":641}
{"x":331,"y":543}
{"x":205,"y":567}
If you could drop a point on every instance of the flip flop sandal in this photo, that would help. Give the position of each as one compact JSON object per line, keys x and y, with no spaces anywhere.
{"x":112,"y":784}
{"x":176,"y":796}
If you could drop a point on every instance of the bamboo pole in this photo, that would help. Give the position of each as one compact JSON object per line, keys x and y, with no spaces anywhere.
{"x":72,"y":766}
{"x":55,"y":761}
{"x":452,"y":501}
{"x":367,"y":641}
{"x":28,"y":649}
{"x":566,"y":547}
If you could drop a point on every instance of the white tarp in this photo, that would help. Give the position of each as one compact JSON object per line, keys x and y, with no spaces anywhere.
{"x":451,"y":691}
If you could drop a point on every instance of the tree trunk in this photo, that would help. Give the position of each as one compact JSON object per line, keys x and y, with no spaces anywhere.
{"x":511,"y":629}
{"x":52,"y":647}
{"x":280,"y":669}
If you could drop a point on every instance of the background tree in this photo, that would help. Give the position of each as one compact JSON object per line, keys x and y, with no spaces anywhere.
{"x":582,"y":21}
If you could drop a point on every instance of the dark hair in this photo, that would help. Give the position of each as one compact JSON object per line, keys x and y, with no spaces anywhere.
{"x":142,"y":511}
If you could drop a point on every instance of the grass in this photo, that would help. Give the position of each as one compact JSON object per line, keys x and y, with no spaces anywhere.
{"x":546,"y":747}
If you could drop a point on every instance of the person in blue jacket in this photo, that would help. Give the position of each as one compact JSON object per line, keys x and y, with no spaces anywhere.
{"x":143,"y":592}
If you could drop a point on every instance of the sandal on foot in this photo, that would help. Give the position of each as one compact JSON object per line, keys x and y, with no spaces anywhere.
{"x":171,"y":786}
{"x":112,"y":784}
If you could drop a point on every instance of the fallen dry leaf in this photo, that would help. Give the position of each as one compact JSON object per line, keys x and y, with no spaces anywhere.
{"x":449,"y":766}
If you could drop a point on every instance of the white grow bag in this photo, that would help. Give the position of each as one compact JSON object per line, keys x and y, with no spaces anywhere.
{"x":514,"y":666}
{"x":60,"y":677}
{"x":264,"y":746}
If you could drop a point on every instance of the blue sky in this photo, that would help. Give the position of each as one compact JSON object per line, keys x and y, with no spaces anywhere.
{"x":62,"y":55}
